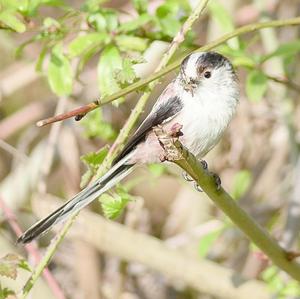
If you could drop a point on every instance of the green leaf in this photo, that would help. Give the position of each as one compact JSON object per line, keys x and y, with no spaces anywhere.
{"x":92,"y":5}
{"x":60,"y":74}
{"x":86,"y":177}
{"x":157,"y":169}
{"x":223,"y":18}
{"x":50,"y":23}
{"x":14,"y":4}
{"x":126,"y":75}
{"x":94,"y":159}
{"x":288,"y":49}
{"x":140,"y":6}
{"x":33,"y":5}
{"x":129,"y":42}
{"x":82,"y":43}
{"x":241,"y":183}
{"x":207,"y":241}
{"x":169,"y":25}
{"x":135,"y":24}
{"x":291,"y":290}
{"x":8,"y":18}
{"x":256,"y":85}
{"x":113,"y":205}
{"x":5,"y":292}
{"x":170,"y":16}
{"x":97,"y":20}
{"x":244,"y":61}
{"x":110,"y":60}
{"x":41,"y":58}
{"x":10,"y":263}
{"x":105,"y":19}
{"x":95,"y":126}
{"x":167,"y":8}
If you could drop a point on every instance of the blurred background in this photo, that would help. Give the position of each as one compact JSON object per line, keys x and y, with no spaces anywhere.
{"x":154,"y":236}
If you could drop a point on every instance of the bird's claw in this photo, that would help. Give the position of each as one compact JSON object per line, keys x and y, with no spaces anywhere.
{"x":204,"y":164}
{"x":187,"y":177}
{"x":217,"y":181}
{"x":197,"y":187}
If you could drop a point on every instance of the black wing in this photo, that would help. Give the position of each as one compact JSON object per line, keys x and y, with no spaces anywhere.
{"x":161,"y":112}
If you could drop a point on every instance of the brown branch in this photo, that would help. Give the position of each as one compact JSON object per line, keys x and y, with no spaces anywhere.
{"x":78,"y":113}
{"x":21,"y":118}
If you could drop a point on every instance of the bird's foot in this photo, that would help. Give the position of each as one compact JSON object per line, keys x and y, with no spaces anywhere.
{"x":197,"y":187}
{"x":217,"y":180}
{"x":291,"y":255}
{"x":175,"y":131}
{"x":187,"y":177}
{"x":204,"y":164}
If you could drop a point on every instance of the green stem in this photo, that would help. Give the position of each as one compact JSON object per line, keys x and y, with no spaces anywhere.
{"x":46,"y":259}
{"x":230,"y":207}
{"x":175,"y":152}
{"x":118,"y":144}
{"x":156,"y":75}
{"x":242,"y":30}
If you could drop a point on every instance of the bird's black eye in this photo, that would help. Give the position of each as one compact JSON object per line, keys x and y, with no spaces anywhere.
{"x":207,"y":74}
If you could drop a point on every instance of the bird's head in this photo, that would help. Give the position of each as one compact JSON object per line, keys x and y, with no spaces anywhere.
{"x":208,"y":72}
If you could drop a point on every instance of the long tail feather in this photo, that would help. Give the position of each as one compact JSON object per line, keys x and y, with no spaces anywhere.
{"x":79,"y":201}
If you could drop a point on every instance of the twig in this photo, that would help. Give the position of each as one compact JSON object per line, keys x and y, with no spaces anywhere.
{"x":21,"y":118}
{"x":32,"y":250}
{"x":142,"y":83}
{"x":292,"y":225}
{"x":285,"y":82}
{"x":133,"y":246}
{"x":45,"y":260}
{"x":12,"y":150}
{"x":227,"y":204}
{"x":16,"y":77}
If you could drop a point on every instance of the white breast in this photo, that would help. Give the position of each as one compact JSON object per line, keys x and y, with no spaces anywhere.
{"x":204,"y":119}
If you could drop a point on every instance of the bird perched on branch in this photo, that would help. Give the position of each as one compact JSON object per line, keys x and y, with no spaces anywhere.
{"x":202,"y":99}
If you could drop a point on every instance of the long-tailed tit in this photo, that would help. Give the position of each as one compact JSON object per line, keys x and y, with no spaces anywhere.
{"x":202,"y":99}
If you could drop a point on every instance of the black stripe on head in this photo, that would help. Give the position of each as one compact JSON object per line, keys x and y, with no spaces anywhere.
{"x":213,"y":60}
{"x":185,"y":61}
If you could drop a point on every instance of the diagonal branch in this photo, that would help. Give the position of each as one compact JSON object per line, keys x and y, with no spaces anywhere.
{"x":175,"y":152}
{"x":82,"y":110}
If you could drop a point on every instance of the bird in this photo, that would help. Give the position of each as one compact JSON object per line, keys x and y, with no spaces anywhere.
{"x":202,"y":99}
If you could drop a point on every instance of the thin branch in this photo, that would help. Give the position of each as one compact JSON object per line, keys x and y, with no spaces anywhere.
{"x":13,"y":151}
{"x":118,"y":144}
{"x":176,"y":153}
{"x":286,"y":82}
{"x":31,"y":249}
{"x":144,"y":82}
{"x":45,"y":260}
{"x":16,"y":121}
